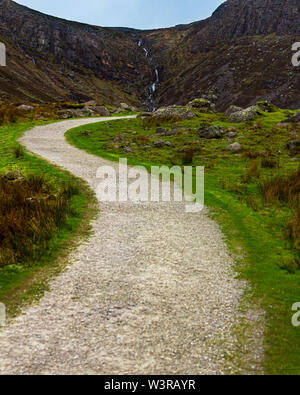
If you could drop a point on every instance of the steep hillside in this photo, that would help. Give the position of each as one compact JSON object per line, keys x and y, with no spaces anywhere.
{"x":52,"y":59}
{"x":242,"y":53}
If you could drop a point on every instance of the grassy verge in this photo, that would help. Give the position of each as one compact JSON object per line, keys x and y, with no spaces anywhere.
{"x":26,"y":279}
{"x":255,"y":229}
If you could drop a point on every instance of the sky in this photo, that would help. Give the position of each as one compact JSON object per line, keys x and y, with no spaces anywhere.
{"x":139,"y":14}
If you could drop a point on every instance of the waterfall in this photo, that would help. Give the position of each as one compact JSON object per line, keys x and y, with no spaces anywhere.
{"x":153,"y":87}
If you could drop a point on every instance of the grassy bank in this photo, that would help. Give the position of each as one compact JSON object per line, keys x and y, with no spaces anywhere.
{"x":256,"y":227}
{"x":44,"y":213}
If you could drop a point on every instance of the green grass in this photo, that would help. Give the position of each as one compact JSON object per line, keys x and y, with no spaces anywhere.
{"x":27,"y":280}
{"x":254,"y":230}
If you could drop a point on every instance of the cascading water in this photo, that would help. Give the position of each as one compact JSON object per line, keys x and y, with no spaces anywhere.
{"x":153,"y":87}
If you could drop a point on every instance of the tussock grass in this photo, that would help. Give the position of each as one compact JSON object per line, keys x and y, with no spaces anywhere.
{"x":150,"y":122}
{"x":29,"y":216}
{"x":282,"y":188}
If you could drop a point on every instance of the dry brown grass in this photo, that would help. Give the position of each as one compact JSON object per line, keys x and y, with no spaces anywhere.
{"x":29,"y":215}
{"x":150,"y":122}
{"x":293,"y":228}
{"x":269,"y":163}
{"x":252,"y":172}
{"x":284,"y":189}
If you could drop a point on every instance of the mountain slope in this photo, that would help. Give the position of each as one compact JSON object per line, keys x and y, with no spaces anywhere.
{"x":242,"y":53}
{"x":50,"y":59}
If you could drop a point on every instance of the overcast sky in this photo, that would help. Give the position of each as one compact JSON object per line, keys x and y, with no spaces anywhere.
{"x":141,"y":14}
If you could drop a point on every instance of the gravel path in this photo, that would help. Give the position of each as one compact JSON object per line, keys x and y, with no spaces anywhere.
{"x":152,"y":291}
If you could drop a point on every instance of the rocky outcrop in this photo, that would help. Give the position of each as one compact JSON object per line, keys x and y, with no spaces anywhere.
{"x":244,"y":115}
{"x":176,"y":112}
{"x":202,"y":105}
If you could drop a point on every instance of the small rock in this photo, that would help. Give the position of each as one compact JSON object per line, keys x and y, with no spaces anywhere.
{"x":24,"y":107}
{"x":235,"y":147}
{"x":211,"y":132}
{"x":14,"y":175}
{"x":161,"y":143}
{"x":128,"y":150}
{"x":231,"y":134}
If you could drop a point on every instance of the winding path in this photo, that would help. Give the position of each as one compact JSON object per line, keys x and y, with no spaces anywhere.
{"x":152,"y":291}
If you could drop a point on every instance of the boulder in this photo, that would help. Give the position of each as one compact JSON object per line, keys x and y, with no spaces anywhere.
{"x":144,"y":115}
{"x":235,"y":147}
{"x":65,"y":114}
{"x":267,"y":106}
{"x":125,"y":106}
{"x":203,"y":105}
{"x":161,"y":143}
{"x":176,"y":112}
{"x":244,"y":115}
{"x":103,"y":111}
{"x":231,"y":135}
{"x":232,"y":109}
{"x":211,"y":132}
{"x":24,"y":107}
{"x":128,"y":150}
{"x":14,"y":175}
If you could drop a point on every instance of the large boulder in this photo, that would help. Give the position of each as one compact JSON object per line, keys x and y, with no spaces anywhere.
{"x":244,"y":115}
{"x":203,"y":105}
{"x":176,"y":112}
{"x":211,"y":132}
{"x":125,"y":106}
{"x":103,"y":111}
{"x":232,"y":109}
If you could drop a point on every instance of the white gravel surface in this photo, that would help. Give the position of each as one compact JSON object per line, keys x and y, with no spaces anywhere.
{"x":153,"y":291}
